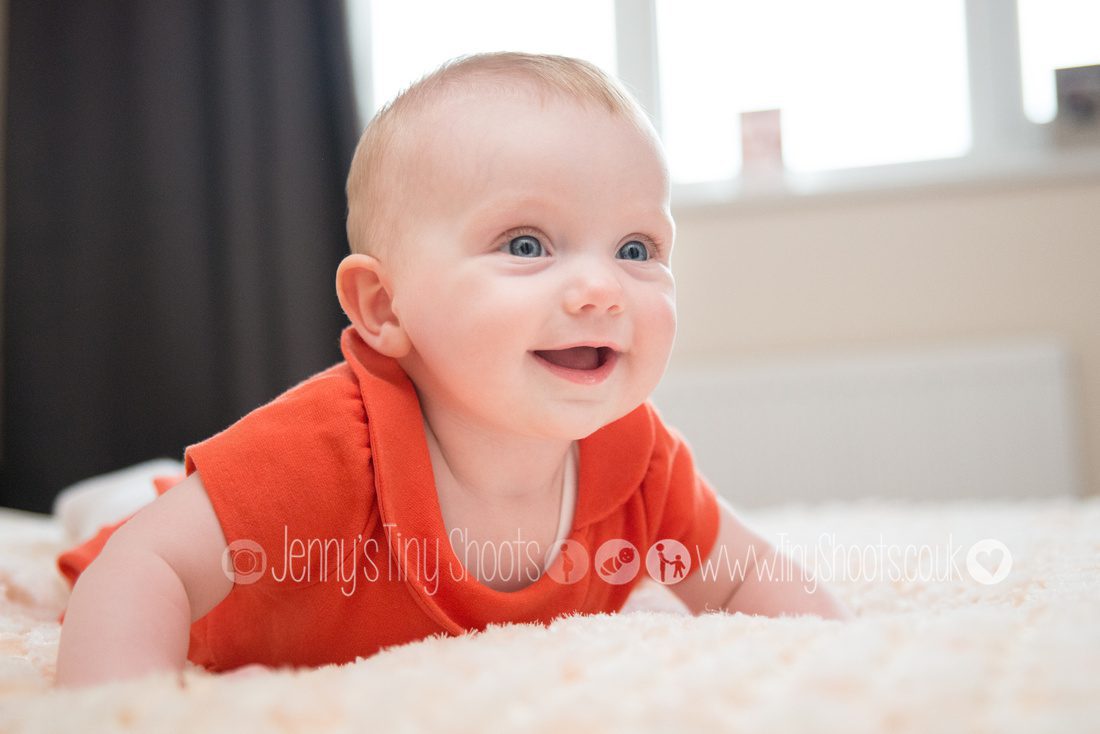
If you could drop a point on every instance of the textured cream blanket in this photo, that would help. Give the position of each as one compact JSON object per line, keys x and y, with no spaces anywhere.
{"x":932,"y":648}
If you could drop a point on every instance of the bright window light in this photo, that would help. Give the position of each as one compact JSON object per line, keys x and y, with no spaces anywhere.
{"x":409,"y":38}
{"x":1054,"y":34}
{"x":859,"y":82}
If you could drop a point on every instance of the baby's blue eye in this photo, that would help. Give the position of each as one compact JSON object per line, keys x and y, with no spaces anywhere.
{"x":525,"y":246}
{"x":634,"y":250}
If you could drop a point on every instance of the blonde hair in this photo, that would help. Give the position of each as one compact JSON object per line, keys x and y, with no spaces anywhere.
{"x":377,"y":183}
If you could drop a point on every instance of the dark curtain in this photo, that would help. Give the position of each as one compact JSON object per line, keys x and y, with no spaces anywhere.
{"x":175,"y":216}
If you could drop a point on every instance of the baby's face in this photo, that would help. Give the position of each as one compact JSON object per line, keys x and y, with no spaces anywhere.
{"x":541,"y":227}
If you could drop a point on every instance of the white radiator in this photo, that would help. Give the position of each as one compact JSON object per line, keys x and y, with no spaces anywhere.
{"x":976,"y":422}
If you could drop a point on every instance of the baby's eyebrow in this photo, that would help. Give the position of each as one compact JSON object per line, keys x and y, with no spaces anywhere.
{"x":490,"y":217}
{"x":501,"y":205}
{"x":510,"y":211}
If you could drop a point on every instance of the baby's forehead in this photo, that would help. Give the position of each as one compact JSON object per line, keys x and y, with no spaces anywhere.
{"x":483,"y":135}
{"x":437,"y":114}
{"x":463,"y":130}
{"x":474,"y":117}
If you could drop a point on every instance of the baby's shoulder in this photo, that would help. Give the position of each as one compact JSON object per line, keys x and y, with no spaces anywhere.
{"x":316,"y":429}
{"x":304,"y":458}
{"x":336,"y":388}
{"x":326,"y":403}
{"x":644,"y":442}
{"x":644,"y":431}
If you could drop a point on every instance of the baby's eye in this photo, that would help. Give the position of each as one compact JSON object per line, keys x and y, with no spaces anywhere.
{"x":634,"y":250}
{"x":525,"y":246}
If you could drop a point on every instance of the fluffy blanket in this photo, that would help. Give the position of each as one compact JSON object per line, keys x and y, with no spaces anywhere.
{"x":931,"y":649}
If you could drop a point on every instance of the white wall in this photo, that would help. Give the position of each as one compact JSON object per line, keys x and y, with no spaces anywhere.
{"x":929,"y":267}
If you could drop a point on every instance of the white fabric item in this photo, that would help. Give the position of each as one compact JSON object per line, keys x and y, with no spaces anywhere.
{"x":923,"y":654}
{"x":568,"y":502}
{"x":88,"y":505}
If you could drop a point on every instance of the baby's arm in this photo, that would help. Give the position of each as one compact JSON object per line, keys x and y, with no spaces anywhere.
{"x":131,"y":610}
{"x":747,"y":576}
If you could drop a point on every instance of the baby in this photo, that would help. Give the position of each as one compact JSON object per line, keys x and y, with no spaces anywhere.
{"x":486,"y":452}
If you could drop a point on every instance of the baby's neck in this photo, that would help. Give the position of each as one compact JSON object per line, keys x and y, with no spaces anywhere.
{"x":493,"y":468}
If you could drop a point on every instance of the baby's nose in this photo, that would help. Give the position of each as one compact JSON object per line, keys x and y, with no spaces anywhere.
{"x":594,"y":289}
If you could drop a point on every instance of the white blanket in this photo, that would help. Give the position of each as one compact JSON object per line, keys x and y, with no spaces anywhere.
{"x":931,"y":649}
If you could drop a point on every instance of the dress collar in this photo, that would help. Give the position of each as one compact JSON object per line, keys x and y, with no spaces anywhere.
{"x":613,"y":463}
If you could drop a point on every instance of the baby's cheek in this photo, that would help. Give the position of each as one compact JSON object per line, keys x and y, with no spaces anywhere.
{"x":502,"y":313}
{"x":659,"y":324}
{"x":654,"y":334}
{"x":664,"y":336}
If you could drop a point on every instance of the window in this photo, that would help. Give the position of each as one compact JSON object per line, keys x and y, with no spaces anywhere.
{"x":1054,"y":34}
{"x":858,"y":82}
{"x":871,"y":92}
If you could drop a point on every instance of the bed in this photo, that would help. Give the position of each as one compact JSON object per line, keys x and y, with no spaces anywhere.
{"x":931,"y":649}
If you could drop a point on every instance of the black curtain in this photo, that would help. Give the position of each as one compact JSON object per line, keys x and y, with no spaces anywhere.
{"x":174,"y":218}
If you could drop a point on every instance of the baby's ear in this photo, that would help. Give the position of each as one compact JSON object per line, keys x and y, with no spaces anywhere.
{"x":364,"y":293}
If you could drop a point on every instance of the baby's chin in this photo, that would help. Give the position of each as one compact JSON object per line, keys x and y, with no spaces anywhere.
{"x":573,"y":423}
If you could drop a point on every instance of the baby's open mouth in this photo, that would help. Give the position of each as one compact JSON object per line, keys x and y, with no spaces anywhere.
{"x":577,"y":358}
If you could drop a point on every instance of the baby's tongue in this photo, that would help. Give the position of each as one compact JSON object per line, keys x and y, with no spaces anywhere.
{"x":577,"y":358}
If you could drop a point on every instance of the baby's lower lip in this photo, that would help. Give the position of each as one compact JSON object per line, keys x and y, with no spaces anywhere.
{"x":582,"y":377}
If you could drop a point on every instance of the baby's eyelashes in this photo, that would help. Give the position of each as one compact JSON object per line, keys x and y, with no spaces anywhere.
{"x":530,"y":246}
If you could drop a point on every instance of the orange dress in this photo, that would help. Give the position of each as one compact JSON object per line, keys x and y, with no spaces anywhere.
{"x":327,"y":500}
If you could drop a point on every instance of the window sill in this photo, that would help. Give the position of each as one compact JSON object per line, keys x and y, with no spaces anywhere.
{"x":1026,"y":167}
